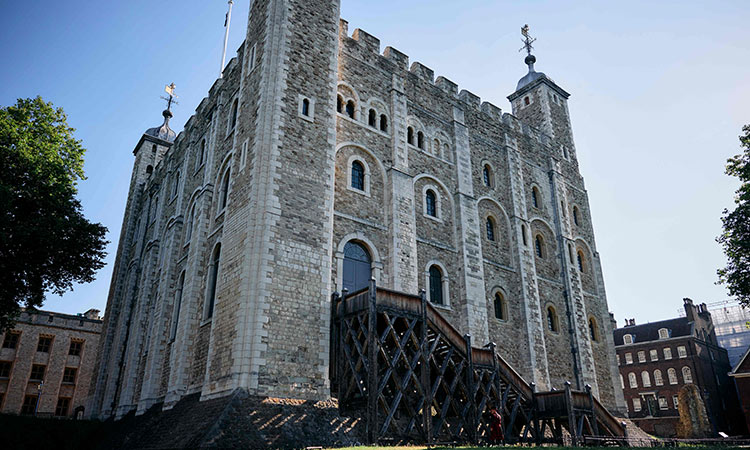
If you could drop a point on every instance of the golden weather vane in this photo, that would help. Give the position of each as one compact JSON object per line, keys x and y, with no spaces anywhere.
{"x":169,"y":89}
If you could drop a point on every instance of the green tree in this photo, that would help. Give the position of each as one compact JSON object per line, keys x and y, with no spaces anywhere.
{"x":736,"y":236}
{"x":46,"y":244}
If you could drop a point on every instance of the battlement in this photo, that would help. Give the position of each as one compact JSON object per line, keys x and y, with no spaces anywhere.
{"x":369,"y":46}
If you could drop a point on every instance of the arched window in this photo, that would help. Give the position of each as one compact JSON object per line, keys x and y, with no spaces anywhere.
{"x":306,"y":107}
{"x":633,"y":380}
{"x":201,"y":154}
{"x":526,"y":100}
{"x":487,"y":175}
{"x":523,"y":235}
{"x":552,"y":319}
{"x":570,"y":253}
{"x":358,"y":176}
{"x":575,"y":216}
{"x":350,"y":108}
{"x":593,"y":329}
{"x":383,"y":123}
{"x":155,"y":208}
{"x":431,"y":203}
{"x":372,"y":118}
{"x":190,"y":224}
{"x":224,"y":193}
{"x":410,"y":135}
{"x":687,"y":375}
{"x":539,"y":245}
{"x":436,"y":285}
{"x":500,"y":312}
{"x":490,"y":225}
{"x":176,"y":308}
{"x":357,"y":266}
{"x":176,"y":187}
{"x":208,"y":311}
{"x":658,"y":380}
{"x":339,"y":104}
{"x":672,"y":375}
{"x":436,"y":148}
{"x":563,"y":209}
{"x":235,"y":110}
{"x":420,"y":140}
{"x":581,"y":266}
{"x":646,"y":378}
{"x":535,"y":197}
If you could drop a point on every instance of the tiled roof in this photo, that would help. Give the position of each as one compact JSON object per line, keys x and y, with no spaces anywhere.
{"x":743,"y":366}
{"x":650,"y":331}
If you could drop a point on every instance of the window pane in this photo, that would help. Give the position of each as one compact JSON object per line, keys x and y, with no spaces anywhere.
{"x":213,"y":281}
{"x":499,"y":307}
{"x":490,"y":230}
{"x":44,"y":344}
{"x":358,"y":176}
{"x":436,"y":286}
{"x":63,"y":404}
{"x":431,"y":203}
{"x":357,"y":267}
{"x":11,"y":340}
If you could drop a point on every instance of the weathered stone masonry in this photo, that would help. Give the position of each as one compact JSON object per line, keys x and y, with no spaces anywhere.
{"x":260,"y":180}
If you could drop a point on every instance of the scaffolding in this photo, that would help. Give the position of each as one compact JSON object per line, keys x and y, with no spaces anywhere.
{"x":732,"y":325}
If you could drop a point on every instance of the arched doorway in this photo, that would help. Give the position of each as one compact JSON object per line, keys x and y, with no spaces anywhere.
{"x":357,"y":266}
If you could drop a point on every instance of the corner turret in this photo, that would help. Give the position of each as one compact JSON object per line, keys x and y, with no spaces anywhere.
{"x":541,"y":103}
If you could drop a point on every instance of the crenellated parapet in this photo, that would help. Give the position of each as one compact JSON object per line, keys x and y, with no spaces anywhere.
{"x":367,"y":48}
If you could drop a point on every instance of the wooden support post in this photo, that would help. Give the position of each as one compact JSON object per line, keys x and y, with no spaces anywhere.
{"x":341,"y":369}
{"x":572,"y":428}
{"x":558,"y":432}
{"x":372,"y":366}
{"x":333,"y":346}
{"x":472,"y":398}
{"x":498,"y":388}
{"x":594,"y":423}
{"x":535,"y":415}
{"x":425,"y":372}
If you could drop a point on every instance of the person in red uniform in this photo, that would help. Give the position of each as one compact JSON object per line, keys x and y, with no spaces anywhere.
{"x":496,"y":426}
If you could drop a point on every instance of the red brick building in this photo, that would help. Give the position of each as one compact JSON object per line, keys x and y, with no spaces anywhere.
{"x":657,"y":359}
{"x":46,"y":362}
{"x":741,"y":375}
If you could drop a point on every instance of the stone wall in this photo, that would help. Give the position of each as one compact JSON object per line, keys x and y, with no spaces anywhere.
{"x":291,"y":209}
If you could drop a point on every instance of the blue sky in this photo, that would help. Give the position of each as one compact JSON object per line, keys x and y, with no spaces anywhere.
{"x":659,"y":90}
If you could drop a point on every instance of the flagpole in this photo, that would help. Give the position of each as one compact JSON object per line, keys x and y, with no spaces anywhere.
{"x":227,"y":20}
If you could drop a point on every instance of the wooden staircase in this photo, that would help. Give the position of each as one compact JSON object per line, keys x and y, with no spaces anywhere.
{"x":399,"y":364}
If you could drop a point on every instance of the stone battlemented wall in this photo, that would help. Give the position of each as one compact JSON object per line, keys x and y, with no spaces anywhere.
{"x":291,"y":209}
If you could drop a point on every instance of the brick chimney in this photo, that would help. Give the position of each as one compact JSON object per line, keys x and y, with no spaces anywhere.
{"x":691,"y":311}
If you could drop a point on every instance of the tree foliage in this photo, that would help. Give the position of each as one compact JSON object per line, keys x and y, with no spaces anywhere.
{"x":736,"y":236}
{"x":46,"y":244}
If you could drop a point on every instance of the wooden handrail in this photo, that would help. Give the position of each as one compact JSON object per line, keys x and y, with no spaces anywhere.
{"x":610,"y":421}
{"x":358,"y":301}
{"x":481,"y":356}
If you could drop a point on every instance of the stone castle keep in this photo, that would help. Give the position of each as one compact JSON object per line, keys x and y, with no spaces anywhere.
{"x":318,"y":162}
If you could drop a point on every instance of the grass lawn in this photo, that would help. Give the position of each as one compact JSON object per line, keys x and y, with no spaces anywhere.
{"x":690,"y":447}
